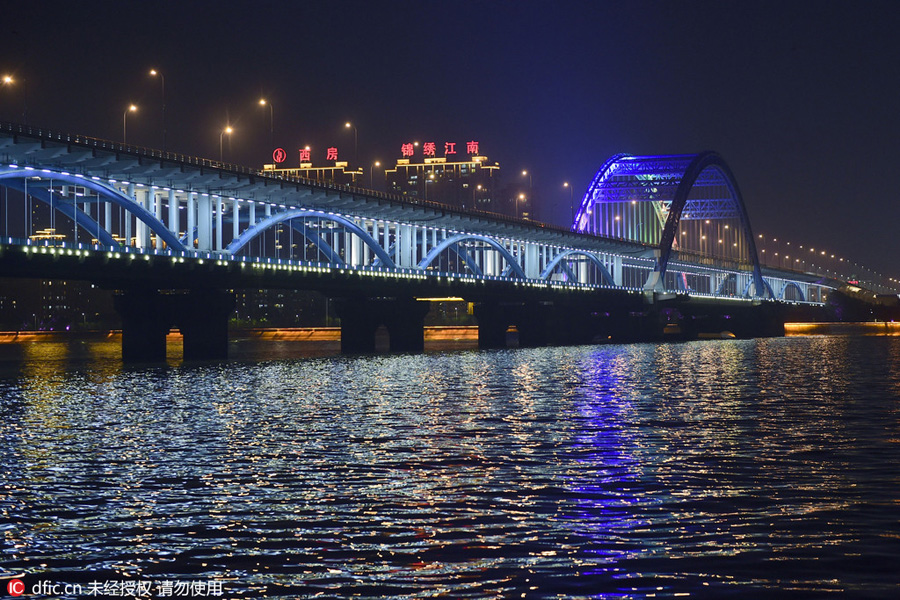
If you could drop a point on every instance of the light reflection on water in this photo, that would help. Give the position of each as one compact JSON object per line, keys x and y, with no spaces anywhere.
{"x":741,"y":468}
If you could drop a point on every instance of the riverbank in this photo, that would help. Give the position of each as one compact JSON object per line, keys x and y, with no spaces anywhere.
{"x":871,"y":328}
{"x":443,"y":334}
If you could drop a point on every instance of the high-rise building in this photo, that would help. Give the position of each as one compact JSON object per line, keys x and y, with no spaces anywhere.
{"x":470,"y":184}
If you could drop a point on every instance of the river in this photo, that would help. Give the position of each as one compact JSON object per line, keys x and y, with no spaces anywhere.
{"x":726,"y":468}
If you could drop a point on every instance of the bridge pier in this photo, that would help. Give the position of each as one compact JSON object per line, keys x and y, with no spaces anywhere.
{"x":203,"y":321}
{"x":562,"y":321}
{"x":201,"y":315}
{"x":493,"y":321}
{"x":404,"y":319}
{"x":145,"y":323}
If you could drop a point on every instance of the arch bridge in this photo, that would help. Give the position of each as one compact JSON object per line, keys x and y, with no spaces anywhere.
{"x":651,"y":226}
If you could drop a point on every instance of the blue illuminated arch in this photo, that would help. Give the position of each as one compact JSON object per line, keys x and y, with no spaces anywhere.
{"x":108,"y":193}
{"x":606,"y":171}
{"x":238,"y":243}
{"x":701,"y":162}
{"x":668,"y":179}
{"x":604,"y":272}
{"x":796,"y":286}
{"x":462,"y":237}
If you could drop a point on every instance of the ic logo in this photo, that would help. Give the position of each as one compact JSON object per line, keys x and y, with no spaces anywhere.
{"x":279,"y":155}
{"x":15,"y":587}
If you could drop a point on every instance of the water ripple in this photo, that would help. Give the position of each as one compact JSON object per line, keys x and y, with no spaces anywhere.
{"x":721,"y":468}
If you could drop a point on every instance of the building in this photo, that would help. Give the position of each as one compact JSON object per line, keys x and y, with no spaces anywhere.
{"x":466,"y":180}
{"x":462,"y":180}
{"x":339,"y":173}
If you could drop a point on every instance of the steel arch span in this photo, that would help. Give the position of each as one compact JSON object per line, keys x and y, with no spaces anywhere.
{"x":105,"y":193}
{"x":687,"y":204}
{"x":512,"y":263}
{"x":562,"y":257}
{"x":290,"y":215}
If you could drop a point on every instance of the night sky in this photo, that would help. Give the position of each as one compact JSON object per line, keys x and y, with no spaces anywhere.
{"x":800,"y":98}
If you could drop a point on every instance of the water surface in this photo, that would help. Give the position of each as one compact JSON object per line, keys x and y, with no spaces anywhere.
{"x":761,"y":468}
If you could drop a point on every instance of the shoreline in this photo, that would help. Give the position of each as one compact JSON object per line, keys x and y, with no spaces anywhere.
{"x":433,"y":333}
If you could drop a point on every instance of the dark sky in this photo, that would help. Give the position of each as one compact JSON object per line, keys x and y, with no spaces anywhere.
{"x":802,"y":99}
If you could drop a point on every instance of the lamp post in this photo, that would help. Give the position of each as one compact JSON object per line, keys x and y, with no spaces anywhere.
{"x":228,"y":129}
{"x":431,"y":179}
{"x":264,"y":102}
{"x":521,"y":198}
{"x":162,"y":82}
{"x":349,"y":125}
{"x":9,"y":81}
{"x":571,"y":201}
{"x":372,"y":174}
{"x":475,"y":191}
{"x":131,"y":108}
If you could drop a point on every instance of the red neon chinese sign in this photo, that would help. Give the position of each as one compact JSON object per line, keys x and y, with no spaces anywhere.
{"x":430,"y":149}
{"x":279,"y":155}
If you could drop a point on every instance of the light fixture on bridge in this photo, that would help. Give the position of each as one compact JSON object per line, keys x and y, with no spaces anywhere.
{"x":229,"y":130}
{"x":264,"y":102}
{"x":375,"y":164}
{"x":349,"y":125}
{"x":131,"y":108}
{"x":162,"y":82}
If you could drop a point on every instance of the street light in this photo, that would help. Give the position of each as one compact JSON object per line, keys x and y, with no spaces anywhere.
{"x":10,"y":81}
{"x":372,"y":174}
{"x":264,"y":102}
{"x":521,"y":198}
{"x":431,"y":179}
{"x":228,"y":129}
{"x":162,"y":81}
{"x":350,"y":125}
{"x":571,"y":200}
{"x":131,"y":108}
{"x":475,"y":190}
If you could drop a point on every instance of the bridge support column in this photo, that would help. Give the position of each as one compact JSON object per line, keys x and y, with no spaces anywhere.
{"x":218,"y":204}
{"x":201,"y":315}
{"x":191,"y":219}
{"x":404,"y":319}
{"x":203,"y":321}
{"x":156,"y":203}
{"x":493,"y":321}
{"x":174,"y":214}
{"x":204,"y":223}
{"x":145,"y":323}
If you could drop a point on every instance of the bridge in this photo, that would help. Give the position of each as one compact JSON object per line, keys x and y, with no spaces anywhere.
{"x":659,"y":244}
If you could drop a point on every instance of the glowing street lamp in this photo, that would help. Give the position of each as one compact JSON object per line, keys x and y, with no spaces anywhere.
{"x":228,"y":129}
{"x":372,"y":174}
{"x":264,"y":102}
{"x":475,"y":190}
{"x":9,"y":80}
{"x":131,"y":108}
{"x":521,"y":198}
{"x":571,"y":200}
{"x":162,"y":81}
{"x":349,"y":125}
